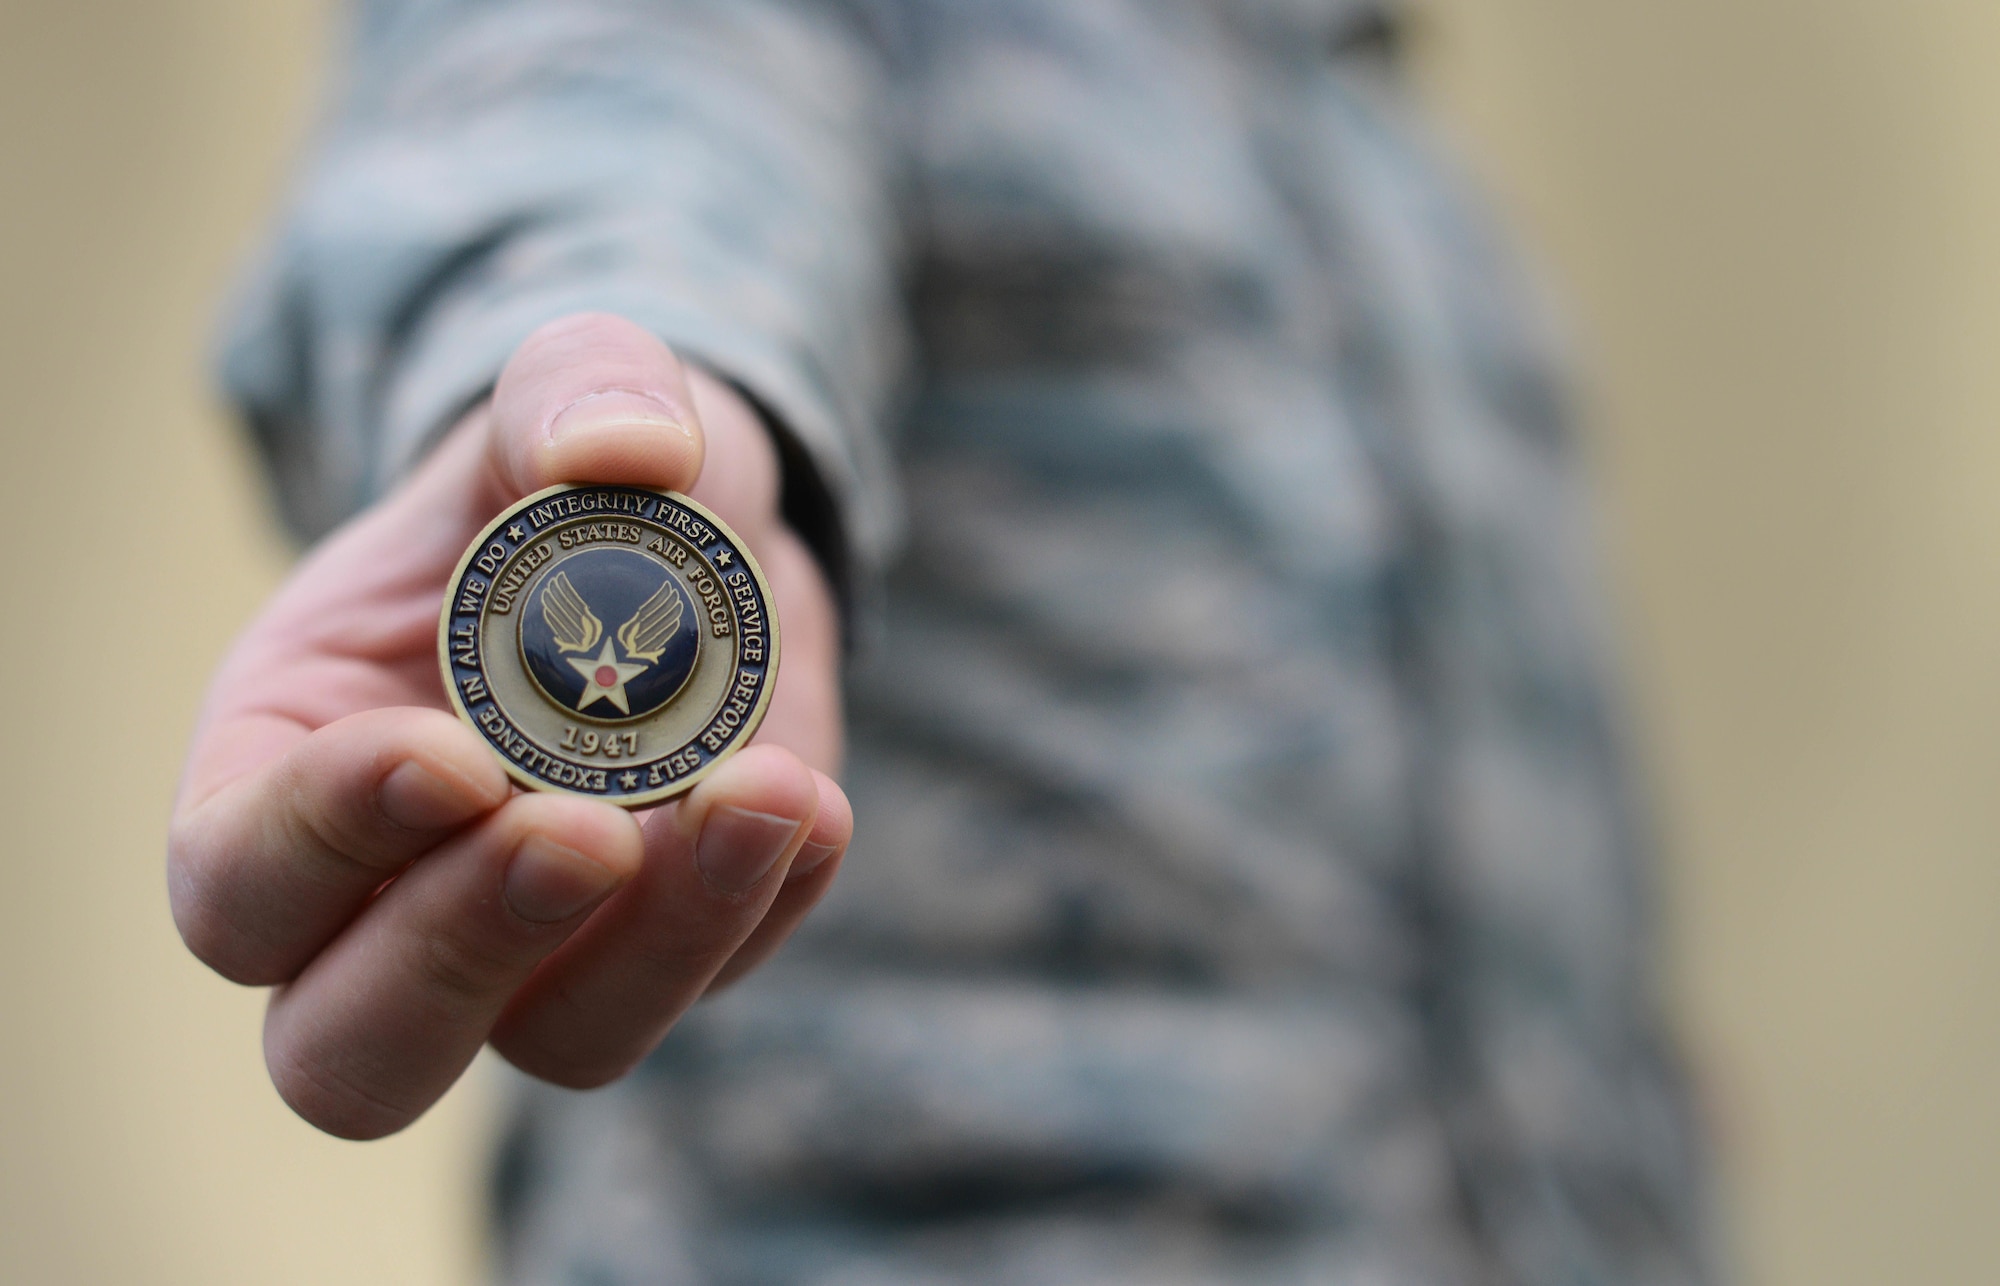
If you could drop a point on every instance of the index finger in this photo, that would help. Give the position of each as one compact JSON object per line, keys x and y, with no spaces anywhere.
{"x":263,"y":874}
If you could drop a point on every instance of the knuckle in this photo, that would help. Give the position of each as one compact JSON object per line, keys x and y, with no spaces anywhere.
{"x":463,"y":971}
{"x":594,"y":1075}
{"x":197,"y":901}
{"x":203,"y":934}
{"x":573,"y":1069}
{"x":188,"y":876}
{"x":697,"y":951}
{"x":211,"y":939}
{"x":337,"y":836}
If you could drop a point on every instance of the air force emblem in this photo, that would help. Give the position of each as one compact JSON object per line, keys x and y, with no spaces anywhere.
{"x":608,"y":676}
{"x":633,"y":713}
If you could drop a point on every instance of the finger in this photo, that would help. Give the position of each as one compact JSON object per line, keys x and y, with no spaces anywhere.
{"x":714,"y":864}
{"x":264,"y":872}
{"x":594,"y":398}
{"x":811,"y":874}
{"x":391,"y":1013}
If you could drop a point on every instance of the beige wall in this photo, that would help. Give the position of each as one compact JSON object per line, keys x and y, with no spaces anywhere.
{"x":1773,"y":217}
{"x":1779,"y":223}
{"x":139,"y":1140}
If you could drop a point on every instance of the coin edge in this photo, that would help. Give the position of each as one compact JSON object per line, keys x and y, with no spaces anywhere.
{"x":681,"y":786}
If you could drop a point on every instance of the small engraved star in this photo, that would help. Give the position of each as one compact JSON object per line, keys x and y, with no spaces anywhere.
{"x":605,"y":678}
{"x":722,"y":558}
{"x":629,"y":780}
{"x":515,"y":533}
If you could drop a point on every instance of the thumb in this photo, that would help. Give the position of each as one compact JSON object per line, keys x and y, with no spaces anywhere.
{"x":593,"y":398}
{"x":587,"y":398}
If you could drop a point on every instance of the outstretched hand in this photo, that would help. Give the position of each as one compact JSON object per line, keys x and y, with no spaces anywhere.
{"x":341,"y":837}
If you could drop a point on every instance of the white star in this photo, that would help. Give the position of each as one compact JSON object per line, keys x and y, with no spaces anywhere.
{"x":516,"y":532}
{"x":629,"y":780}
{"x":605,"y":678}
{"x":722,"y":558}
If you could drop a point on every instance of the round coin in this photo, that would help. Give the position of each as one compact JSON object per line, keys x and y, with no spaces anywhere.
{"x":612,"y":642}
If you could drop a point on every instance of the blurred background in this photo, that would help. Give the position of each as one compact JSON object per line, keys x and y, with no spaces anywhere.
{"x":1773,"y":222}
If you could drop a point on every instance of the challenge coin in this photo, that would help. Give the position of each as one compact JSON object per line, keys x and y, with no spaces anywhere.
{"x":613,"y":642}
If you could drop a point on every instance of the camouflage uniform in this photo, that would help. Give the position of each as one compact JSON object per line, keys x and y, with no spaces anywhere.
{"x":1247,"y":887}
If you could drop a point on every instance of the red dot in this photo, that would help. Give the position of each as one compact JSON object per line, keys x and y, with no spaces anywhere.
{"x":606,"y":676}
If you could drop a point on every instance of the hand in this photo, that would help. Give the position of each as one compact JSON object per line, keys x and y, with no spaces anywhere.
{"x":341,"y":837}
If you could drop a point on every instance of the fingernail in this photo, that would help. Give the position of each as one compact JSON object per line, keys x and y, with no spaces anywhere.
{"x":737,"y":847}
{"x":547,"y":882}
{"x":810,"y":858}
{"x":615,"y":408}
{"x":413,"y":796}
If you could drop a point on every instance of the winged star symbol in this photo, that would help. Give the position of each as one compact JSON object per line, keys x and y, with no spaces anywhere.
{"x":577,"y":629}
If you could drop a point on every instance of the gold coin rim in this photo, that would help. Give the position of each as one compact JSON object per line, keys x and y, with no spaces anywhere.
{"x":680,"y":786}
